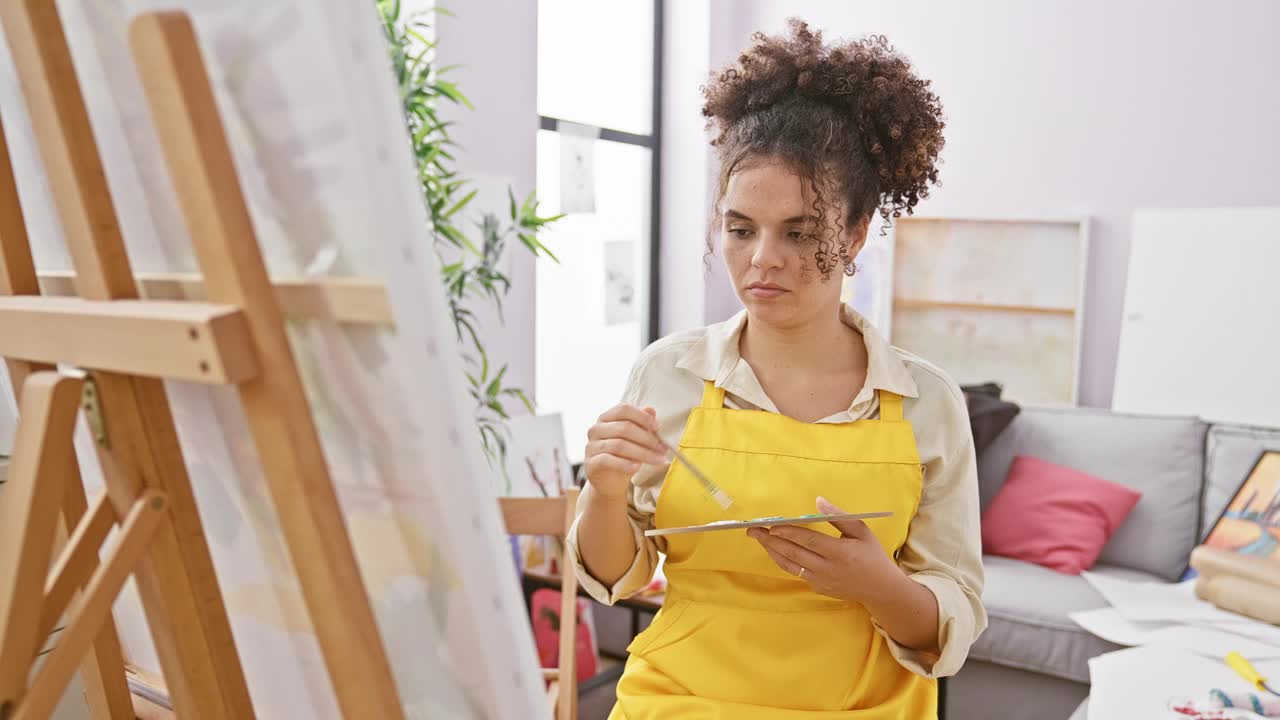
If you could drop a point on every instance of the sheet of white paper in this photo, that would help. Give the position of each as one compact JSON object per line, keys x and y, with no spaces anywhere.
{"x":1209,"y":642}
{"x":1151,"y":601}
{"x":1144,"y":682}
{"x":577,"y":167}
{"x":1110,"y":625}
{"x":1260,"y":631}
{"x":1202,"y":639}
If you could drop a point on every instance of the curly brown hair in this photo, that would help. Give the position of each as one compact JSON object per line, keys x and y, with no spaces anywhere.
{"x":852,"y":119}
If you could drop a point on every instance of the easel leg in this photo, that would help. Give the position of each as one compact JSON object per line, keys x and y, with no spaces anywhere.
{"x":105,"y":687}
{"x":43,"y":454}
{"x":176,"y":580}
{"x":103,"y":669}
{"x":52,"y":678}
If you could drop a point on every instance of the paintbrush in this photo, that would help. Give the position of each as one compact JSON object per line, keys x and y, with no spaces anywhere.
{"x":1237,"y":662}
{"x":720,"y":496}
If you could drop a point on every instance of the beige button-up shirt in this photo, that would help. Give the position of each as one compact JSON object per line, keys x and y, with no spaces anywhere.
{"x":943,"y":551}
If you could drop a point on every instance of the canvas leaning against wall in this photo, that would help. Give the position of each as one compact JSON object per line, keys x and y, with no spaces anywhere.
{"x":1250,"y":524}
{"x":993,"y":300}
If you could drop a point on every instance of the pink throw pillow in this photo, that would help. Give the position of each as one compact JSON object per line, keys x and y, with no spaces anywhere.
{"x":1054,"y":516}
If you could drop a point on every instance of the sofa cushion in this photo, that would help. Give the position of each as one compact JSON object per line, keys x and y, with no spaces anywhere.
{"x":1028,"y":625}
{"x":1160,"y":457}
{"x":1054,"y":516}
{"x":1230,"y":454}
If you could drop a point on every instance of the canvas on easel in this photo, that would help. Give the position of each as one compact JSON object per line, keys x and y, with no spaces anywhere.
{"x":319,"y":162}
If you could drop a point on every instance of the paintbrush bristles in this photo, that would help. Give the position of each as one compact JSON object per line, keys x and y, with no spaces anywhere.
{"x":720,"y":496}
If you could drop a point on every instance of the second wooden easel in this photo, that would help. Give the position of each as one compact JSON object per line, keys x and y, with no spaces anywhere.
{"x":126,"y":347}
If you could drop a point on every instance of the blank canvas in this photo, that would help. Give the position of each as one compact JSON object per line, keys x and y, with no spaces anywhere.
{"x":1201,"y":327}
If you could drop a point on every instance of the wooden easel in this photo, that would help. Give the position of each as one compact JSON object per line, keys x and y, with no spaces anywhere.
{"x":126,"y":346}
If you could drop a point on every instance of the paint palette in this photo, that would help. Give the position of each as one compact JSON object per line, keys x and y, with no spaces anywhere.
{"x":764,"y":522}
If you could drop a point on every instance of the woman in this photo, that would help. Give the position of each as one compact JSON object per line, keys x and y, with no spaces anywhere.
{"x":794,"y":406}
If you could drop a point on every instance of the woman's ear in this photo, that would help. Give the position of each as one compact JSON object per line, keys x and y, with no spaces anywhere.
{"x":856,"y":236}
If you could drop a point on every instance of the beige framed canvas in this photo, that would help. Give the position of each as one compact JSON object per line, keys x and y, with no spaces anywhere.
{"x":993,"y":300}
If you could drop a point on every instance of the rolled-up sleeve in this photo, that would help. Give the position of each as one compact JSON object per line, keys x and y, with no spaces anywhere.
{"x":642,"y":567}
{"x":943,"y":551}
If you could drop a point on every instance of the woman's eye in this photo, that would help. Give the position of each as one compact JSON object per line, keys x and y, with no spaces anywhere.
{"x":740,"y":232}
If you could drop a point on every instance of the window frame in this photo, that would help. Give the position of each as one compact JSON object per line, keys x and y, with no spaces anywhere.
{"x":653,"y":141}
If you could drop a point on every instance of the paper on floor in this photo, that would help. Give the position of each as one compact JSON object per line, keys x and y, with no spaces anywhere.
{"x":1260,"y":631}
{"x":1207,"y":640}
{"x":1145,"y":682}
{"x":1210,"y":642}
{"x":1108,"y":624}
{"x":1152,"y":601}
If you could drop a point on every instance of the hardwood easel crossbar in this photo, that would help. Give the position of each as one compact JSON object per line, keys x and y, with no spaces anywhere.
{"x":197,"y":342}
{"x":344,"y":300}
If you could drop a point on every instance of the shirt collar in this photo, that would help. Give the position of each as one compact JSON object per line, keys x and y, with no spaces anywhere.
{"x":715,"y":355}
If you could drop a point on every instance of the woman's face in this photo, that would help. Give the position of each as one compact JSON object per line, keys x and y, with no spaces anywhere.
{"x":768,"y":230}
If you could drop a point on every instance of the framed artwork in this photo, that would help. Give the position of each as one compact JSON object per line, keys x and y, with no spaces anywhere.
{"x":993,"y":300}
{"x":537,"y":466}
{"x":1250,"y":524}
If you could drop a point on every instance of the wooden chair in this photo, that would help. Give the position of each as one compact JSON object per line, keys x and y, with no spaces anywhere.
{"x":554,"y":516}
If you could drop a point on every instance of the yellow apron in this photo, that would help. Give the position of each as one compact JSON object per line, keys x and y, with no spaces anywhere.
{"x":740,"y":639}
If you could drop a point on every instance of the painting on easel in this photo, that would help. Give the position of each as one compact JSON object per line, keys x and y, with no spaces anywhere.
{"x":312,"y":117}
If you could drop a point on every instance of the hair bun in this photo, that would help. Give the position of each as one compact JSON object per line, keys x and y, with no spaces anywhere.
{"x":870,"y":86}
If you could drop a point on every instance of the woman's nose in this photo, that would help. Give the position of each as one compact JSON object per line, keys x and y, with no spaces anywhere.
{"x":768,"y":253}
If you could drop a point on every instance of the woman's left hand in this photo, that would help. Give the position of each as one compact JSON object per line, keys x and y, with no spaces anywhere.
{"x":852,"y":567}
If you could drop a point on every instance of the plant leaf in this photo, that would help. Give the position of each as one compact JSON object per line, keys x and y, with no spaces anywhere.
{"x":460,"y":204}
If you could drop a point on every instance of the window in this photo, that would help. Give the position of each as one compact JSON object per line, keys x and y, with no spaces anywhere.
{"x":598,"y":97}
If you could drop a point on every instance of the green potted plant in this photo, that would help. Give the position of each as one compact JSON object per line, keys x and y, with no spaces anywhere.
{"x":469,"y":257}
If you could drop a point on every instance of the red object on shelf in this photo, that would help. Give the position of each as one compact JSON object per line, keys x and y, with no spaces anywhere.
{"x":545,"y":607}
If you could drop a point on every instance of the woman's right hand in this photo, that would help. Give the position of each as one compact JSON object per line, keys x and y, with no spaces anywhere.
{"x":623,"y":439}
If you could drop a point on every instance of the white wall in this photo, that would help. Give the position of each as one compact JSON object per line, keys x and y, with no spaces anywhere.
{"x":496,"y":44}
{"x":1072,"y":106}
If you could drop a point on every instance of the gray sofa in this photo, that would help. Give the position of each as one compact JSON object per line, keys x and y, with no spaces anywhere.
{"x":1032,"y":661}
